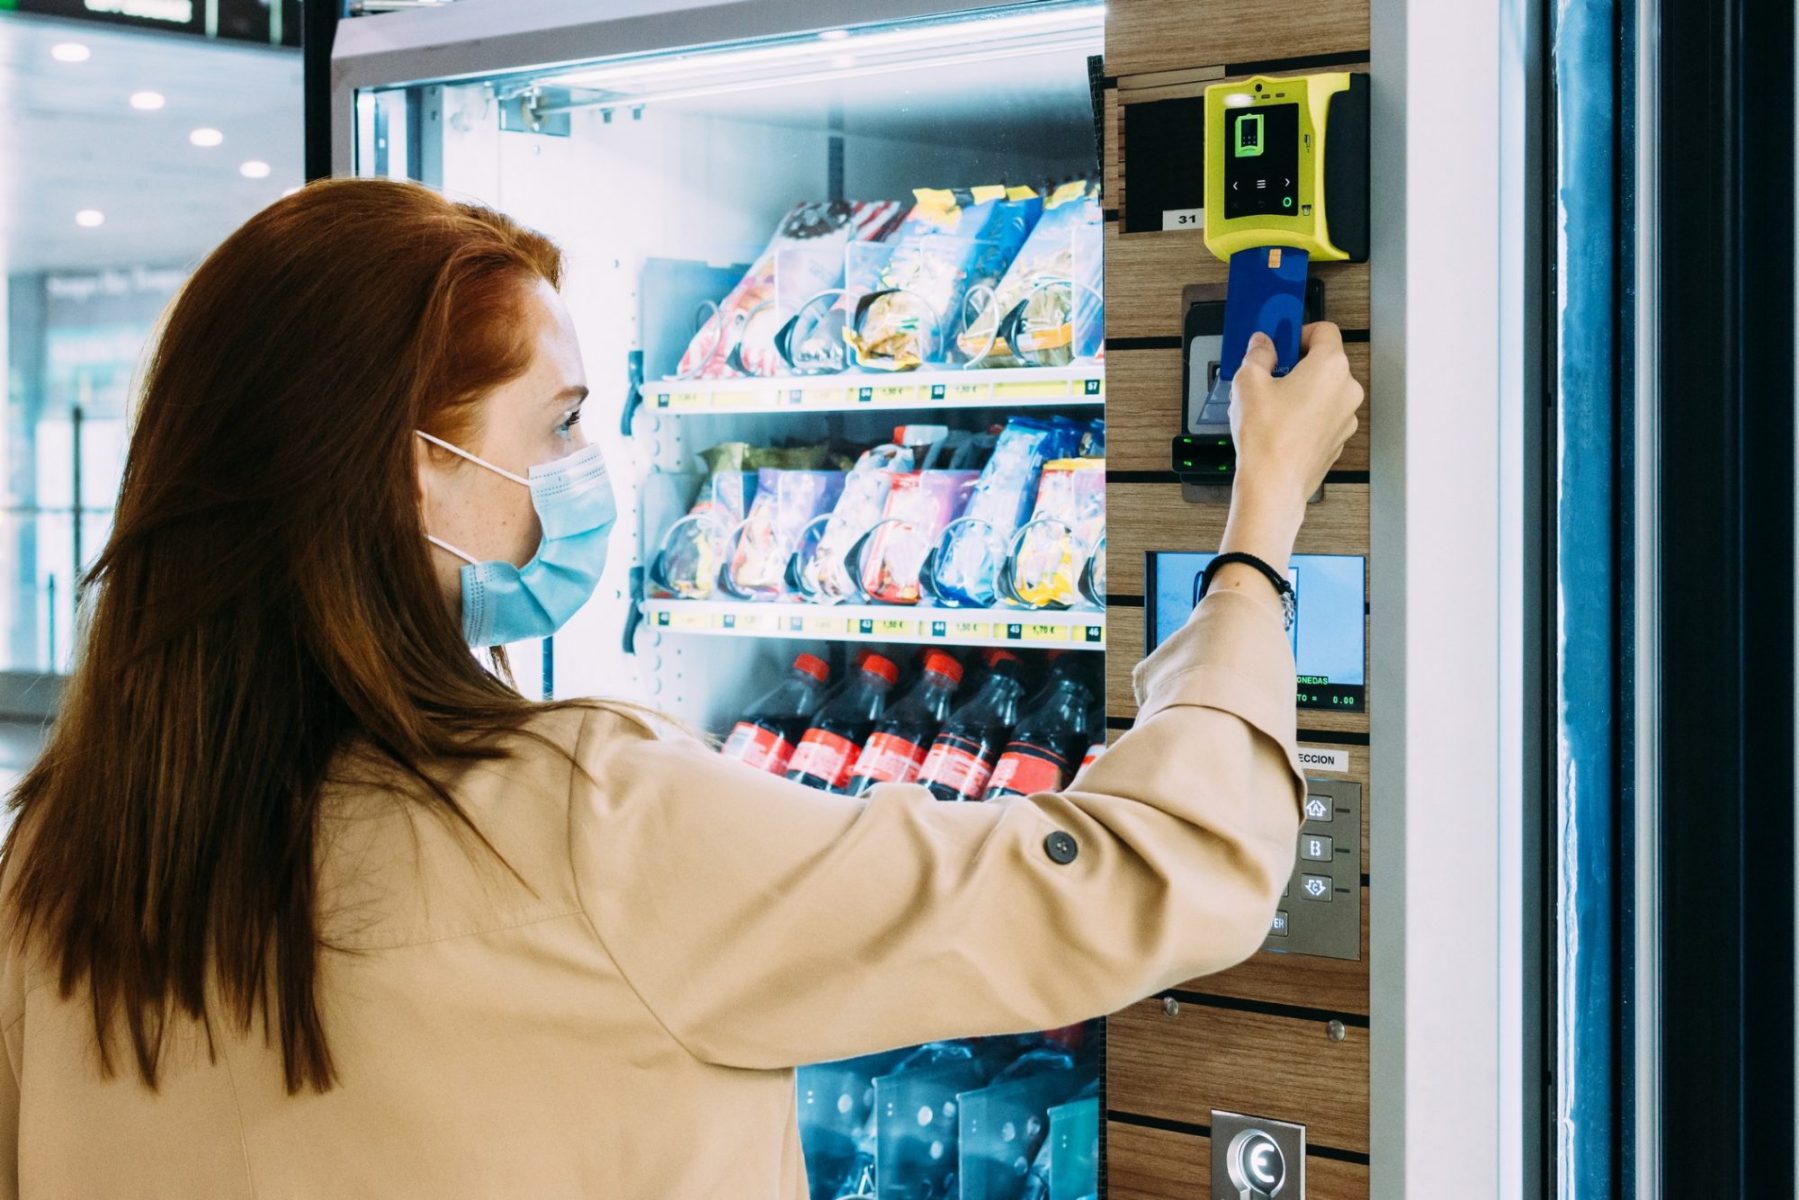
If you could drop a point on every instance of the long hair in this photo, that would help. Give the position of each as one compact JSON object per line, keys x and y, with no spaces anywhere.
{"x":266,"y":597}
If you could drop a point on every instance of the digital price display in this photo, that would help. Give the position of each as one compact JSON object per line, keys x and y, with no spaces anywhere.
{"x":1329,"y":634}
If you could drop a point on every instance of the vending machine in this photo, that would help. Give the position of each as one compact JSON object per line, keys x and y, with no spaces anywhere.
{"x":836,"y":274}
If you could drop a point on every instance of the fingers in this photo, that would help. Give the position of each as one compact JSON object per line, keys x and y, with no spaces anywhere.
{"x":1259,"y":355}
{"x":1323,"y":336}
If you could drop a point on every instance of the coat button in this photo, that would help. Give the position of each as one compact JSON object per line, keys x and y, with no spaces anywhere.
{"x":1060,"y":847}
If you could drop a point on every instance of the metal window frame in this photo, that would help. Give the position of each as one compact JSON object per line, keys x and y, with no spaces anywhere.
{"x":1456,"y":533}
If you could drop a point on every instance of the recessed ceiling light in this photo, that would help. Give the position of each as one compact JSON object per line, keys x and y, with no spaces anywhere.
{"x":147,"y":101}
{"x":254,"y":169}
{"x":205,"y":137}
{"x":70,"y":52}
{"x":90,"y":218}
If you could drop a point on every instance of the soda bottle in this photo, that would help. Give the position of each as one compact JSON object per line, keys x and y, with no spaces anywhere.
{"x":766,"y":736}
{"x":963,"y":754}
{"x":1041,"y":755}
{"x":825,"y":755}
{"x":897,"y":746}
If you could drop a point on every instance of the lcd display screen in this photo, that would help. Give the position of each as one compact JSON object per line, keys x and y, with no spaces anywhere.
{"x":1261,"y":161}
{"x":1329,"y":635}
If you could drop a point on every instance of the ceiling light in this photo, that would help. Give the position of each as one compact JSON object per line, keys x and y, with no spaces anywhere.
{"x":205,"y":137}
{"x":254,"y":169}
{"x":147,"y":101}
{"x":90,"y":218}
{"x":833,"y":35}
{"x":70,"y":52}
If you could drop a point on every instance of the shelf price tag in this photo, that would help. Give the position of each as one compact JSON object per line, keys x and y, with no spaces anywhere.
{"x":1046,"y":633}
{"x":898,"y":396}
{"x":969,"y":631}
{"x":753,"y":622}
{"x":827,"y":627}
{"x":1093,"y":635}
{"x":970,"y":393}
{"x":893,"y":628}
{"x":690,"y":620}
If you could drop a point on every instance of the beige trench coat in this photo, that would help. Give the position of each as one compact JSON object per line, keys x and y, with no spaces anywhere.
{"x":627,"y":1028}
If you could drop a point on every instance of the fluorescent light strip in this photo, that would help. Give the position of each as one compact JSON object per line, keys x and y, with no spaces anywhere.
{"x":634,"y":100}
{"x":1083,"y":19}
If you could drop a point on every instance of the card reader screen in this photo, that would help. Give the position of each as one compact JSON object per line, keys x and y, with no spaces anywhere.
{"x":1329,"y":635}
{"x":1261,"y":161}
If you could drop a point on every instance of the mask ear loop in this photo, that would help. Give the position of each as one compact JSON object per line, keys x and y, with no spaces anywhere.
{"x":478,"y":461}
{"x":449,"y":549}
{"x":474,"y":458}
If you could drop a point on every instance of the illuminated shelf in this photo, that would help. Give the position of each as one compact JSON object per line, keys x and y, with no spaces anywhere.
{"x":1070,"y":629}
{"x":1078,"y":383}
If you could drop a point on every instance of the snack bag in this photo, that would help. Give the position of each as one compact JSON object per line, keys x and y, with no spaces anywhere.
{"x":1069,"y":520}
{"x":824,"y":575}
{"x":693,"y":548}
{"x":807,"y":249}
{"x":918,"y":508}
{"x":1050,"y":307}
{"x":975,"y":543}
{"x":785,"y":502}
{"x":955,"y":242}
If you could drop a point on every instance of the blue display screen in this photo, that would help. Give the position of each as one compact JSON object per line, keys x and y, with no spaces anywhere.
{"x":1329,"y":636}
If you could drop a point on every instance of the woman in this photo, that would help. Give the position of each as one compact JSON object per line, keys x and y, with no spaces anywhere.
{"x":301,"y":900}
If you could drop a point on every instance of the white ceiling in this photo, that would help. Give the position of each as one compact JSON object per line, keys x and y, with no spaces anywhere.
{"x":69,"y":140}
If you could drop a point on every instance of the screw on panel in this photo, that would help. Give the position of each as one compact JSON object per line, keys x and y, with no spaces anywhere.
{"x":1336,"y":1031}
{"x":1170,"y":1006}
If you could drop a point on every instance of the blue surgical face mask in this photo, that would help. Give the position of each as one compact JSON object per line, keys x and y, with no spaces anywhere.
{"x":502,"y":603}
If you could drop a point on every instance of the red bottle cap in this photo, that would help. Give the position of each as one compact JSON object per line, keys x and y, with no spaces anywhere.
{"x":812,"y":665}
{"x":944,"y":664}
{"x":1000,"y":656}
{"x":874,"y":664}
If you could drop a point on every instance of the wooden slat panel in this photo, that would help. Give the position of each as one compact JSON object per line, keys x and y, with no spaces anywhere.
{"x":1160,"y":35}
{"x":1306,"y":981}
{"x":1124,"y":650}
{"x":1152,"y":516}
{"x":1159,"y":1164}
{"x":1181,"y":1068}
{"x":1145,"y":273}
{"x":1143,"y":411}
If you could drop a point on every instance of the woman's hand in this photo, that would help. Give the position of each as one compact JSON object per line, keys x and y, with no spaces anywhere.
{"x":1288,"y":434}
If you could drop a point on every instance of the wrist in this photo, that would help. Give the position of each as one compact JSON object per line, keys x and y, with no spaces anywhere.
{"x":1263,"y":526}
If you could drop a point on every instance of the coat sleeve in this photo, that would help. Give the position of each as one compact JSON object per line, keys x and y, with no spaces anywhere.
{"x":768,"y":925}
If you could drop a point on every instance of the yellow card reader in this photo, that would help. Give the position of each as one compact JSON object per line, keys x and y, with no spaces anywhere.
{"x":1287,"y":165}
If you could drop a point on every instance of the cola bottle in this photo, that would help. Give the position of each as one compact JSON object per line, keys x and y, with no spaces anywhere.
{"x":767,"y":734}
{"x":828,"y":750}
{"x":897,"y":746}
{"x":1042,"y":753}
{"x":963,"y":754}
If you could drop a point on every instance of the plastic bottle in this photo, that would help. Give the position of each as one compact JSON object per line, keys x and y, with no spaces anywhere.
{"x":828,"y":750}
{"x":963,"y":754}
{"x":768,"y":733}
{"x":897,"y":746}
{"x":1042,"y":753}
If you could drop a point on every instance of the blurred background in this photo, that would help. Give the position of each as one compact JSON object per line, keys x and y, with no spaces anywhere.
{"x":136,"y":135}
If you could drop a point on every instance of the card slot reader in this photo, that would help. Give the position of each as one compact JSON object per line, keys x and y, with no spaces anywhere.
{"x":1203,"y":455}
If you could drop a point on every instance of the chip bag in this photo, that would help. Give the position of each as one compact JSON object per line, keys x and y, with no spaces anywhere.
{"x":1050,"y":307}
{"x":1050,"y":551}
{"x":824,"y":575}
{"x":954,"y":242}
{"x":807,"y":253}
{"x":785,"y":502}
{"x":918,"y":507}
{"x":972,"y":547}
